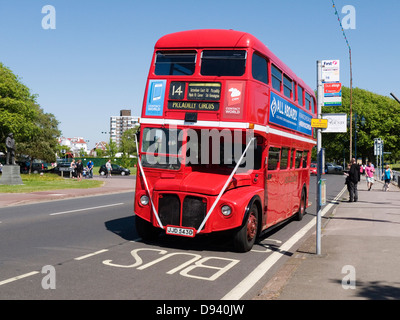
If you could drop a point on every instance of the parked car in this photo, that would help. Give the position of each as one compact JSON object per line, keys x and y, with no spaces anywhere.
{"x":62,"y":168}
{"x":333,"y":168}
{"x":115,"y":169}
{"x":313,"y":168}
{"x":37,"y":167}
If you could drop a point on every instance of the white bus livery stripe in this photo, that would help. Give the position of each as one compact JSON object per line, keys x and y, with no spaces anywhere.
{"x":225,"y":124}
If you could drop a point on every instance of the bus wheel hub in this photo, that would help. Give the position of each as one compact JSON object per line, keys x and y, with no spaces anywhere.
{"x":251,"y":226}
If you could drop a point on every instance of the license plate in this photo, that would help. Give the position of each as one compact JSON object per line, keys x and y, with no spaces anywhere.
{"x":178,"y":231}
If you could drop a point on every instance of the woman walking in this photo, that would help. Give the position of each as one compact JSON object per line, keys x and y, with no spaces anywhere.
{"x":369,"y":173}
{"x":387,"y":175}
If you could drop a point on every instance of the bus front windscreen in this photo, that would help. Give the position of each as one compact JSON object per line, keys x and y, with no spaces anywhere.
{"x":161,"y":148}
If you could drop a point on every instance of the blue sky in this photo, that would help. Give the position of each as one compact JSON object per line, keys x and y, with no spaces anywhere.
{"x":96,"y":61}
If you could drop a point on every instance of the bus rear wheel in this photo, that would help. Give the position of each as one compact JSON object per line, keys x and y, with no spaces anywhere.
{"x":302,"y":207}
{"x":244,"y":239}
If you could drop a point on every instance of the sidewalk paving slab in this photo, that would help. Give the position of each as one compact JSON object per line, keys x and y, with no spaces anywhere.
{"x":360,"y":254}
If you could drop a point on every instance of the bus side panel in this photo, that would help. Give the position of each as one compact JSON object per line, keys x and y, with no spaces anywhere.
{"x":258,"y":105}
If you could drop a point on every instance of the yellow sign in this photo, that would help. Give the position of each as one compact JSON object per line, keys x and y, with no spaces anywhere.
{"x":319,"y":123}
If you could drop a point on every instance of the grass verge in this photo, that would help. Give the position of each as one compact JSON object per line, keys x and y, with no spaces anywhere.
{"x":36,"y":182}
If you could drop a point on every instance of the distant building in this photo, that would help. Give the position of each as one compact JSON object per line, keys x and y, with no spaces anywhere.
{"x":75,"y":144}
{"x":119,"y":124}
{"x":101,"y":145}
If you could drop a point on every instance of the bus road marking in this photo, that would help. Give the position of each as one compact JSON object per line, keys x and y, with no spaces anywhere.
{"x":18,"y":277}
{"x":90,"y":254}
{"x":247,"y":283}
{"x":85,"y":209}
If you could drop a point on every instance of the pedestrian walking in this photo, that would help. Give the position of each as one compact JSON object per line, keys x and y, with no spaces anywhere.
{"x":108,"y":167}
{"x":369,"y":174}
{"x":347,"y":181}
{"x":387,"y":176}
{"x":354,"y":178}
{"x":73,"y":168}
{"x":362,"y":169}
{"x":79,"y":170}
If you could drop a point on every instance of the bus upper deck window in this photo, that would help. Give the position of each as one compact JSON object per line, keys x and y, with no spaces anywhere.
{"x":223,"y":62}
{"x":175,"y":63}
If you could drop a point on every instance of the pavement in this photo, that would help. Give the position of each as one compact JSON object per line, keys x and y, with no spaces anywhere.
{"x":360,"y":246}
{"x":115,"y":184}
{"x":360,"y":253}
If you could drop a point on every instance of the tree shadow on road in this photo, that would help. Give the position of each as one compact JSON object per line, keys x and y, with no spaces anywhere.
{"x":376,"y":290}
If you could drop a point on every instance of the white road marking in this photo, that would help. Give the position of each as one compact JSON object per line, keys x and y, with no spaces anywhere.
{"x":91,"y":254}
{"x":247,"y":283}
{"x":85,"y":209}
{"x":18,"y":277}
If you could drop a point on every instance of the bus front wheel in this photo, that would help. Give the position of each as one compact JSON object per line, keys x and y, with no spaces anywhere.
{"x":244,"y":239}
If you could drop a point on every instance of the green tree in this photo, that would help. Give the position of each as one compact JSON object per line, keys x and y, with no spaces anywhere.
{"x":35,"y":132}
{"x":17,"y":107}
{"x":128,"y":146}
{"x":111,"y":149}
{"x":382,"y":120}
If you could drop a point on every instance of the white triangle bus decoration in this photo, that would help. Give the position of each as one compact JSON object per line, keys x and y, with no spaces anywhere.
{"x":225,"y":186}
{"x":147,"y":186}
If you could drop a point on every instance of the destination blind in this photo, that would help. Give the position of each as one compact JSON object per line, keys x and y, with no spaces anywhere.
{"x":193,"y":105}
{"x":201,"y":96}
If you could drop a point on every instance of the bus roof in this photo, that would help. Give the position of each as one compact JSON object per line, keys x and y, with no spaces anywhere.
{"x":221,"y":38}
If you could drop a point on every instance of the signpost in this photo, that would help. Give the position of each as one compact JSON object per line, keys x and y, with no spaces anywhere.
{"x":332,"y":94}
{"x":320,"y":92}
{"x":337,"y":122}
{"x":319,"y":123}
{"x":378,"y":152}
{"x":329,"y":93}
{"x":330,"y":71}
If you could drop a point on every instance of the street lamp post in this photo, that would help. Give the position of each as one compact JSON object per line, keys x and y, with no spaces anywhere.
{"x":362,"y":122}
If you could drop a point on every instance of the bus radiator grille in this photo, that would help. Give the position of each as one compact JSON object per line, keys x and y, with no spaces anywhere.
{"x":193,"y":211}
{"x":169,"y":208}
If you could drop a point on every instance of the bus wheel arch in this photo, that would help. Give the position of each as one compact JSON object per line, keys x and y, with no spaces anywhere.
{"x":246,"y":235}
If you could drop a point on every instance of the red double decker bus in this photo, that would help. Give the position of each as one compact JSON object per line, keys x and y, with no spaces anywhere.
{"x":225,"y":138}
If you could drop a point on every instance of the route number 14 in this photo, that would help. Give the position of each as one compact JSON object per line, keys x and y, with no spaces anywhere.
{"x":177,"y":90}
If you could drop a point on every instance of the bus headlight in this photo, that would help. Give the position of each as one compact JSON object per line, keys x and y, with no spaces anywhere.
{"x":144,"y":200}
{"x":226,"y":210}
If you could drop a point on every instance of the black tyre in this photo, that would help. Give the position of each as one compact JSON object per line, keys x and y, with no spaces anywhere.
{"x":244,"y":239}
{"x":302,"y":207}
